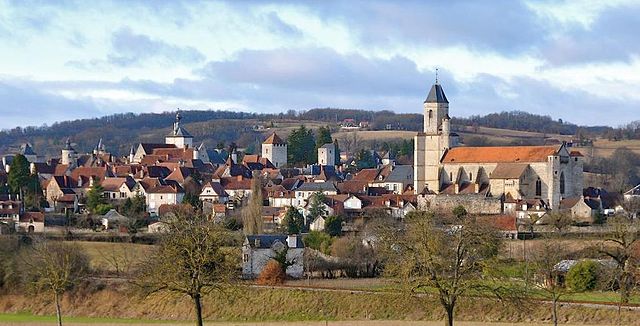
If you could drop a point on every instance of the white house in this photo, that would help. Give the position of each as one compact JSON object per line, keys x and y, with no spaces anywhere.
{"x":161,"y":195}
{"x":257,"y":250}
{"x":213,"y":192}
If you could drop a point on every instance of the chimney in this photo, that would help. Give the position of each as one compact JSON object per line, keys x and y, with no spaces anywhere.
{"x":456,"y":188}
{"x":292,"y":240}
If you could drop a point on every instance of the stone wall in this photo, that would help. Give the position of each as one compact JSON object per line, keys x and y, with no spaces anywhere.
{"x":473,"y":203}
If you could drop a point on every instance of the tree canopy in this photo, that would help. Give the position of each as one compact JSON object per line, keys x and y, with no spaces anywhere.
{"x":301,"y":147}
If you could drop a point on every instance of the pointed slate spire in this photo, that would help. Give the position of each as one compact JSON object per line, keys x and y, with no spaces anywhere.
{"x":436,"y":95}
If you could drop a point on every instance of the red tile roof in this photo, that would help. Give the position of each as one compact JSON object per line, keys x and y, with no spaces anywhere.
{"x":509,"y":154}
{"x":274,"y":139}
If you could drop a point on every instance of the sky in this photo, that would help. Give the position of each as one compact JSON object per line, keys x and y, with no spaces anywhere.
{"x":575,"y":60}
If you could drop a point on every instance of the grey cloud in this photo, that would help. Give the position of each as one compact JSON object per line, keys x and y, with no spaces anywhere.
{"x":320,"y":70}
{"x":611,"y":37}
{"x":24,"y":104}
{"x":505,"y":25}
{"x":487,"y":94}
{"x":130,"y":48}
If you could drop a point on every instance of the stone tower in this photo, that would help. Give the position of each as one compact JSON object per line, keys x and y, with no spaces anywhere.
{"x":433,"y":142}
{"x":68,"y":154}
{"x":275,"y":149}
{"x":179,"y":136}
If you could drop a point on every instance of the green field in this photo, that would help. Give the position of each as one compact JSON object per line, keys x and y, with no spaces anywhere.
{"x":27,"y":317}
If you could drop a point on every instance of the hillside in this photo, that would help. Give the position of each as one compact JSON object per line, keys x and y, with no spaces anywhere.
{"x":119,"y":132}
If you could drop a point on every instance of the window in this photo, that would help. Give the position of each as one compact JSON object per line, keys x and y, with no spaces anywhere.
{"x":470,"y":176}
{"x":430,"y":114}
{"x":538,"y":187}
{"x":245,"y":258}
{"x":451,"y":176}
{"x":562,"y":185}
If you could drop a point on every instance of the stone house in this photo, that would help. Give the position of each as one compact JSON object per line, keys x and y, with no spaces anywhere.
{"x":257,"y":250}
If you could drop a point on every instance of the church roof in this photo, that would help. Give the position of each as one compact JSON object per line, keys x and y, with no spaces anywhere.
{"x":436,"y":95}
{"x":507,"y":154}
{"x":509,"y":170}
{"x":274,"y":139}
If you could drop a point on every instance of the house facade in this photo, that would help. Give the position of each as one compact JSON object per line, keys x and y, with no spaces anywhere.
{"x":257,"y":250}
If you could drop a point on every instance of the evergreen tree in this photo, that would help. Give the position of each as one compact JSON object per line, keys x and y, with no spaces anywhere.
{"x":316,"y":207}
{"x":301,"y":147}
{"x":19,"y":174}
{"x":333,"y":225}
{"x":95,"y":198}
{"x":364,"y":159}
{"x":294,"y":221}
{"x":324,"y":137}
{"x":335,"y":142}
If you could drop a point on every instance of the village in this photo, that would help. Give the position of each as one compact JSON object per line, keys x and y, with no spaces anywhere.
{"x":522,"y":190}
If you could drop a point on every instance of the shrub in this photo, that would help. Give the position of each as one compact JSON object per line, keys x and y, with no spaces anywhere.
{"x":272,"y":274}
{"x":583,"y":276}
{"x":319,"y":241}
{"x":333,"y":225}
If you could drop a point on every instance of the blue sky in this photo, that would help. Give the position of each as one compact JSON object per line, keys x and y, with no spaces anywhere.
{"x":574,"y":60}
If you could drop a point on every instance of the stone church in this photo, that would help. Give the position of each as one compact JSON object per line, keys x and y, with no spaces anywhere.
{"x":442,"y":166}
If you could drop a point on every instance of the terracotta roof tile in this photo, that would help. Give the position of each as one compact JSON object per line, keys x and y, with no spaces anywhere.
{"x":274,"y":139}
{"x":509,"y":154}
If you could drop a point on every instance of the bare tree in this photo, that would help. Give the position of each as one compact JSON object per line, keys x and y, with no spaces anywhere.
{"x":620,"y":247}
{"x":190,"y":260}
{"x":560,"y":221}
{"x":54,"y":267}
{"x":447,"y":258}
{"x":545,"y":260}
{"x":252,"y":213}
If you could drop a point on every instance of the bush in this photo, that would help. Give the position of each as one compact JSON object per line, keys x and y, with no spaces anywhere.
{"x":272,"y":274}
{"x":319,"y":241}
{"x":333,"y":226}
{"x":583,"y":276}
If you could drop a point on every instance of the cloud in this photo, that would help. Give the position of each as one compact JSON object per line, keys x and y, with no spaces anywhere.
{"x":277,"y":26}
{"x":319,"y":70}
{"x":22,"y":102}
{"x":504,"y":25}
{"x":129,"y":48}
{"x":612,"y":36}
{"x":488,"y":94}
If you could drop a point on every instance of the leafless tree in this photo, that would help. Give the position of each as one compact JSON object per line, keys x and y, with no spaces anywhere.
{"x":619,"y":246}
{"x":447,"y":258}
{"x":545,"y":260}
{"x":189,"y":260}
{"x":560,"y":221}
{"x":252,"y":213}
{"x":54,"y":267}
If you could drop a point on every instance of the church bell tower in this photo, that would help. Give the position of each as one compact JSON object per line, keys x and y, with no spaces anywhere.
{"x":433,"y":142}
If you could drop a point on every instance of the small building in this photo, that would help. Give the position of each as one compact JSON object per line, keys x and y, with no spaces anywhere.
{"x":257,"y":250}
{"x":275,"y":150}
{"x":31,"y":222}
{"x":327,"y":154}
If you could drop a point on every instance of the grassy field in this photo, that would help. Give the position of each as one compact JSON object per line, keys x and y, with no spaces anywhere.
{"x":289,"y":305}
{"x":113,"y":256}
{"x":28,"y":318}
{"x":604,"y":148}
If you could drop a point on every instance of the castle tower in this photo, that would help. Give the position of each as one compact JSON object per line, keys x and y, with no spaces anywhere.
{"x":68,"y":154}
{"x":179,"y":136}
{"x":275,"y":149}
{"x":433,"y":142}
